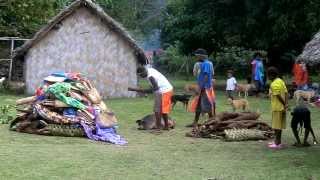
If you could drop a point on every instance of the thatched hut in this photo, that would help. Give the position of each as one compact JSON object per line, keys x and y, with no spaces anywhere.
{"x":311,"y":52}
{"x":82,"y":38}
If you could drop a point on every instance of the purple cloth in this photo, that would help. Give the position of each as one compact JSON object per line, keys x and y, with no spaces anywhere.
{"x":104,"y":134}
{"x":318,"y":103}
{"x":41,"y":98}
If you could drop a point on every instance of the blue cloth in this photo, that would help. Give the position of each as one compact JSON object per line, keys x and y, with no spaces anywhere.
{"x":59,"y":74}
{"x":41,"y":98}
{"x":205,"y":70}
{"x":69,"y":112}
{"x":303,"y":87}
{"x":259,"y":71}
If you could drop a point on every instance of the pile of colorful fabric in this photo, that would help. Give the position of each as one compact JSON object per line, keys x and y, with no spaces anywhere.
{"x":67,"y":104}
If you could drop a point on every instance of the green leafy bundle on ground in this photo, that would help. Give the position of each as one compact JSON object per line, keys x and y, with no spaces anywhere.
{"x":6,"y":113}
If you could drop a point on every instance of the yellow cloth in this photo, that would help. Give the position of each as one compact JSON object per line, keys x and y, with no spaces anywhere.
{"x":277,"y":87}
{"x":278,"y":119}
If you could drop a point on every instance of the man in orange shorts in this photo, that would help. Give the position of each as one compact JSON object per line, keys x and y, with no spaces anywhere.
{"x":162,"y":90}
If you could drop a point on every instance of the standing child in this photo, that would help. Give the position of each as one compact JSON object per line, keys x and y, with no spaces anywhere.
{"x":231,"y":84}
{"x":279,"y":104}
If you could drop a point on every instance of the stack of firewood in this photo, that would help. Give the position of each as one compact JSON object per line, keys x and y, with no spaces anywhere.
{"x":237,"y":126}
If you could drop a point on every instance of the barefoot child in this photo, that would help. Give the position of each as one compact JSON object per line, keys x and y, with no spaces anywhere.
{"x":279,"y":105}
{"x":231,"y":85}
{"x":162,"y":90}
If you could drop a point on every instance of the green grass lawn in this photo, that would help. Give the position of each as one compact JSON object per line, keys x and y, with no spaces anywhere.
{"x":170,"y":155}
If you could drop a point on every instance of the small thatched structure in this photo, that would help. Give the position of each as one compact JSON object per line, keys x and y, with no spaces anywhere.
{"x":82,"y":38}
{"x":311,"y":52}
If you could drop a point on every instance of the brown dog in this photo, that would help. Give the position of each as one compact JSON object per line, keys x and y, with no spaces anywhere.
{"x":192,"y":89}
{"x":303,"y":94}
{"x":244,"y":88}
{"x":149,"y":122}
{"x":239,"y":104}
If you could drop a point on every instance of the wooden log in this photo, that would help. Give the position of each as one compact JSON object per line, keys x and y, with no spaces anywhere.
{"x":27,"y":100}
{"x":55,"y":103}
{"x":26,"y":110}
{"x":210,"y":122}
{"x":246,"y":116}
{"x":226,"y":120}
{"x":230,"y":124}
{"x":227,"y":115}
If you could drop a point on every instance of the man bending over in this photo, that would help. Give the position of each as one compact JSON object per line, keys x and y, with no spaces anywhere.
{"x":162,"y":90}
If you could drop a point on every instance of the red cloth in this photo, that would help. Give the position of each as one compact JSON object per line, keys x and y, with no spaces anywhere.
{"x":39,"y":92}
{"x":193,"y":103}
{"x":300,"y":75}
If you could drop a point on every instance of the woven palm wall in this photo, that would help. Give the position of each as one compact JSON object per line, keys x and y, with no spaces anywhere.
{"x":82,"y":43}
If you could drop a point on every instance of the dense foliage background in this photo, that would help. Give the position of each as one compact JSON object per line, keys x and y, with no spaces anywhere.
{"x":23,"y":18}
{"x":281,"y":27}
{"x":228,"y":29}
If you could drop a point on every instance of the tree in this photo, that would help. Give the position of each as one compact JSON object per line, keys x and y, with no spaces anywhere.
{"x":281,"y":26}
{"x":22,"y":18}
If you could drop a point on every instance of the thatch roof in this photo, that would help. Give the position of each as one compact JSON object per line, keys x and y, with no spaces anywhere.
{"x":311,"y":52}
{"x":95,"y":9}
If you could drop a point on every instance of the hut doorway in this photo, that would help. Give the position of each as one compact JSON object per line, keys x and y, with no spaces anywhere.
{"x":8,"y":68}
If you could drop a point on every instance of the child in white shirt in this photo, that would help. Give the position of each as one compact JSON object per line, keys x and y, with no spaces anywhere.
{"x":231,"y":84}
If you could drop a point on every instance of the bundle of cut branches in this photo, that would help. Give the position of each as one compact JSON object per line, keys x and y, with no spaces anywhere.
{"x":216,"y":127}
